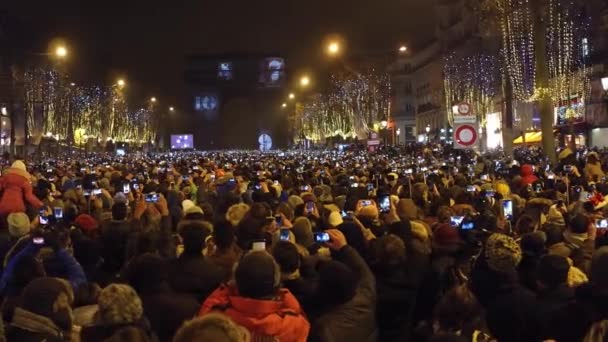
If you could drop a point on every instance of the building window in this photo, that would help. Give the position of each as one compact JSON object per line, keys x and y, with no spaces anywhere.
{"x":225,"y":71}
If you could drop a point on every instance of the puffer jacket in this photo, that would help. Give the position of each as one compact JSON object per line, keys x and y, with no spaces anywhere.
{"x":282,"y":319}
{"x":17,"y":189}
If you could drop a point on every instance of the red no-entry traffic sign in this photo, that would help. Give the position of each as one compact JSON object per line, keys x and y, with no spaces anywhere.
{"x":465,"y":136}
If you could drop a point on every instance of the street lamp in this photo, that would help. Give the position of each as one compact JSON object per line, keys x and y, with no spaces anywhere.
{"x":121,"y":82}
{"x":428,"y":129}
{"x":292,"y":96}
{"x":61,"y":51}
{"x":305,"y":81}
{"x":333,"y":48}
{"x":402,"y":49}
{"x":171,"y":109}
{"x":384,"y":123}
{"x":284,"y":105}
{"x":153,"y":99}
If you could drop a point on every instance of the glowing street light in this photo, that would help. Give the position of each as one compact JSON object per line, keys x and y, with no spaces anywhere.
{"x":61,"y":51}
{"x":292,"y":96}
{"x":384,"y":123}
{"x":403,"y":49}
{"x":73,"y":84}
{"x":171,"y":109}
{"x":333,"y":48}
{"x":121,"y":82}
{"x":153,"y":99}
{"x":305,"y":81}
{"x":284,"y":105}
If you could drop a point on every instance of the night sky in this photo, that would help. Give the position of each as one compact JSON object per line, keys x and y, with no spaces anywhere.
{"x":146,"y":41}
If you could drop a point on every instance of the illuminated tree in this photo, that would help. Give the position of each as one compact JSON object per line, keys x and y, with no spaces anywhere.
{"x":352,"y":105}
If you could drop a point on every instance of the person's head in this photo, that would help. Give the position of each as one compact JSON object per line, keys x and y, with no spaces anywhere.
{"x":119,"y":211}
{"x":579,"y":224}
{"x":553,"y":271}
{"x":457,"y":307}
{"x":389,"y":250}
{"x":302,"y":229}
{"x":286,"y":255}
{"x":250,"y":229}
{"x":337,"y":283}
{"x":193,"y":234}
{"x":211,"y":327}
{"x":502,"y":253}
{"x":51,"y":298}
{"x":18,"y":224}
{"x":223,"y":235}
{"x":119,"y":304}
{"x":236,"y":212}
{"x":407,"y":209}
{"x":257,"y":275}
{"x":147,"y":273}
{"x":444,"y":213}
{"x":525,"y":224}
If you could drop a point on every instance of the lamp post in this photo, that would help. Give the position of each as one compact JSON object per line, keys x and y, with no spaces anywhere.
{"x":428,"y":130}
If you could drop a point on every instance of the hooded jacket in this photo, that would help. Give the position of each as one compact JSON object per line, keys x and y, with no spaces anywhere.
{"x":527,"y":175}
{"x":282,"y":318}
{"x":17,"y":189}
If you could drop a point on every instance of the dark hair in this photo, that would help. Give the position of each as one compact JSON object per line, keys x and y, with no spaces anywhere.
{"x":553,"y":270}
{"x":579,"y":224}
{"x":223,"y":235}
{"x":457,"y":307}
{"x":286,"y":255}
{"x":193,"y":234}
{"x":86,"y":294}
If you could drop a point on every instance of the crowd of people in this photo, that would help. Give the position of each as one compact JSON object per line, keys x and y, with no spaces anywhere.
{"x":422,"y":243}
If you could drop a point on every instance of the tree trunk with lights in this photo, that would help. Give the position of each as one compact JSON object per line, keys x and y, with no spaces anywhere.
{"x":545,"y":103}
{"x":507,"y":121}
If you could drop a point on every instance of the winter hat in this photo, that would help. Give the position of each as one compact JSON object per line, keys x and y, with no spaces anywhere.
{"x":119,"y":304}
{"x":335,"y":219}
{"x":576,"y":277}
{"x":187,"y":204}
{"x":445,"y":235}
{"x":257,"y":275}
{"x":195,"y":209}
{"x":369,"y":211}
{"x":302,"y":229}
{"x":86,"y":223}
{"x":294,"y":201}
{"x":120,"y":198}
{"x":104,"y":183}
{"x":19,"y":165}
{"x":503,"y":189}
{"x":533,"y":243}
{"x":502,"y":253}
{"x":565,"y":153}
{"x":18,"y":224}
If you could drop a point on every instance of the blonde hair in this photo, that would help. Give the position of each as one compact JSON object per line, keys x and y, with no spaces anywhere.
{"x":119,"y":304}
{"x":236,"y":212}
{"x":213,"y":326}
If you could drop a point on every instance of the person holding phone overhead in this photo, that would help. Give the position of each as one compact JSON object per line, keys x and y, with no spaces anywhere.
{"x":16,"y":189}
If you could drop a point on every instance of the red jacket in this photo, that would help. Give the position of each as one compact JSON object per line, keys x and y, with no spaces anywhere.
{"x":527,"y":175}
{"x":281,"y":318}
{"x":16,"y":187}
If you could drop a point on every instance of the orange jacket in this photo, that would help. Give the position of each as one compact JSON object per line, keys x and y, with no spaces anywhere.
{"x":282,"y":318}
{"x":17,"y":189}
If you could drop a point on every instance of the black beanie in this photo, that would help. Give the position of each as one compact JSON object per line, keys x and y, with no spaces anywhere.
{"x":337,"y":283}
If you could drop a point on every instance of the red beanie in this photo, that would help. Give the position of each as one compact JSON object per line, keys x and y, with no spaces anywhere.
{"x":445,"y":235}
{"x":86,"y":223}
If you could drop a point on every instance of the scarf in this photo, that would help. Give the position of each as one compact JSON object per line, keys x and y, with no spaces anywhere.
{"x":30,"y":321}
